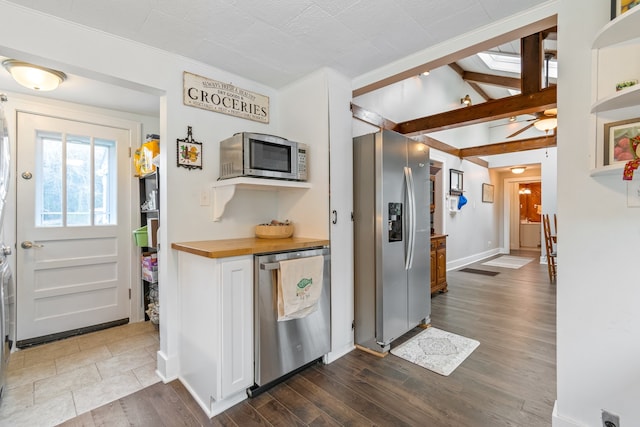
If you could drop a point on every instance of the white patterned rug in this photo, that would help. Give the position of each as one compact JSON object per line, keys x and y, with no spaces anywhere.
{"x":508,"y":261}
{"x":436,"y":350}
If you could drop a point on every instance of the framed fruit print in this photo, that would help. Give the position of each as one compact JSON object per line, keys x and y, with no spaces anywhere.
{"x":617,"y":141}
{"x":189,"y":152}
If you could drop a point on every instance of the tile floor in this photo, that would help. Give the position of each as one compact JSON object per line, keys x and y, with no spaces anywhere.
{"x":51,"y":383}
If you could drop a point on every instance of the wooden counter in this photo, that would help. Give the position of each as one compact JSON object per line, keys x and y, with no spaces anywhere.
{"x":246,"y":246}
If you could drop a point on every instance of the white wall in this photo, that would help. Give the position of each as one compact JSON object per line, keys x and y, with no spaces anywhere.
{"x":305,"y":118}
{"x":37,"y":37}
{"x":598,"y":289}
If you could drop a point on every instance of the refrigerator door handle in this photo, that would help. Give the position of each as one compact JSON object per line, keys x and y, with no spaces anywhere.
{"x":412,"y":206}
{"x":408,"y":258}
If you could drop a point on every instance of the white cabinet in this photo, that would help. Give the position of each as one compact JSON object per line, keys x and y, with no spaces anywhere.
{"x":216,"y":329}
{"x":616,"y":58}
{"x":237,"y":325}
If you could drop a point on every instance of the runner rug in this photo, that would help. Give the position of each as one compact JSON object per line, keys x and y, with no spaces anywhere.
{"x":508,"y":261}
{"x":476,"y":271}
{"x":436,"y":350}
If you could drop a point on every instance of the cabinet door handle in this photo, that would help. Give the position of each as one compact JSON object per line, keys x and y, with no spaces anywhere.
{"x":334,"y":219}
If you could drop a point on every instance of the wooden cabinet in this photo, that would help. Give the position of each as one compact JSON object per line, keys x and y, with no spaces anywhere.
{"x":438,"y":263}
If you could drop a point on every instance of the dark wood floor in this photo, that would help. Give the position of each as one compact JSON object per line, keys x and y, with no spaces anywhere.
{"x":509,"y":380}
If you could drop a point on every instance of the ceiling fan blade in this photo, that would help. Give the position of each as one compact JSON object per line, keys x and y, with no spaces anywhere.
{"x":518,"y":132}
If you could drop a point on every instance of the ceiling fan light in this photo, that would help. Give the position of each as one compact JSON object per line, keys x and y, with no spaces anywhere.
{"x":518,"y":170}
{"x":546,"y":124}
{"x":34,"y":76}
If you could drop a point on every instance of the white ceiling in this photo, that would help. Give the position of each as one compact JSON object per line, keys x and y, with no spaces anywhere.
{"x":275,"y":42}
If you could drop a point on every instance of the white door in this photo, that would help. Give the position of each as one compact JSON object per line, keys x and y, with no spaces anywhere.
{"x":73,"y":226}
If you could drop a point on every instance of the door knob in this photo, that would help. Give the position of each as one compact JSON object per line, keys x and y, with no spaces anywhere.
{"x":28,"y":245}
{"x":5,"y":250}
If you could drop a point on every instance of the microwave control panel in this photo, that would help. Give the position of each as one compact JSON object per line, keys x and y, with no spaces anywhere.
{"x":302,"y":163}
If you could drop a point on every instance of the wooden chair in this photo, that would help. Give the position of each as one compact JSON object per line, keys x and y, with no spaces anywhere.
{"x":549,"y":240}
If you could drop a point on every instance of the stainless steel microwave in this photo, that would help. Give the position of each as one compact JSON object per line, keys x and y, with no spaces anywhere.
{"x":264,"y":156}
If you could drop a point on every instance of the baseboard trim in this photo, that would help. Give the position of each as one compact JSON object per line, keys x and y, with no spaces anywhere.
{"x":558,"y":421}
{"x":461,"y":262}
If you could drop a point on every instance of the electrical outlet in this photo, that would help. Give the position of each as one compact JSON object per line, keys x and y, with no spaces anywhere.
{"x":609,"y":419}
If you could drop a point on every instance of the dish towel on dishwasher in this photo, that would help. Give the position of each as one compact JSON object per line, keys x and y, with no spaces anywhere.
{"x":299,"y":287}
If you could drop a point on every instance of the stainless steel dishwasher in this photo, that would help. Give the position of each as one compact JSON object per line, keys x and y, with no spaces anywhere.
{"x":281,"y":348}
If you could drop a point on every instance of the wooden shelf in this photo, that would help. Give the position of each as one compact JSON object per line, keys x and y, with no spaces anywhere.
{"x":620,"y":30}
{"x":628,"y":97}
{"x":224,"y":190}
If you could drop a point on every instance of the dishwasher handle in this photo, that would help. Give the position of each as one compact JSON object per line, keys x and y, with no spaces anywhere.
{"x":269,"y":265}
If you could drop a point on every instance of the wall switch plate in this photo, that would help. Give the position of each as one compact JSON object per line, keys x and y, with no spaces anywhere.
{"x":609,"y":419}
{"x":205,"y":197}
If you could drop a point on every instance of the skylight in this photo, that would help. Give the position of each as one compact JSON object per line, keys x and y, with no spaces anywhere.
{"x":499,"y":61}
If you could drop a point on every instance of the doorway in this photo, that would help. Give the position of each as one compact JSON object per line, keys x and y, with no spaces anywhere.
{"x":511,"y":213}
{"x":73,"y":225}
{"x":530,"y":217}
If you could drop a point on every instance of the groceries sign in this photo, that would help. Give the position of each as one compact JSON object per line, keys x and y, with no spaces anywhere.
{"x":201,"y":92}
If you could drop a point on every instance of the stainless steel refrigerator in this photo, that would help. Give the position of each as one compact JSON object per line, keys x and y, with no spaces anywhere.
{"x":391,"y":237}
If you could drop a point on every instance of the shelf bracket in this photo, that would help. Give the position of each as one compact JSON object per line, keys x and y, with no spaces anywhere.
{"x":221,"y":196}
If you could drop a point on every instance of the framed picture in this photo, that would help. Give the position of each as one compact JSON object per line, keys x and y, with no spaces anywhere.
{"x":617,"y":140}
{"x":487,"y":193}
{"x":189,"y":152}
{"x":456,"y":185}
{"x":618,"y":7}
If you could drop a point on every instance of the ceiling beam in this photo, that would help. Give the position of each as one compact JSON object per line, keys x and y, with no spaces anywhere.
{"x":446,"y":148}
{"x":502,"y":81}
{"x":371,"y":118}
{"x":377,"y":120}
{"x":458,"y":69}
{"x":532,"y":57}
{"x":510,"y":146}
{"x":446,"y":59}
{"x":480,"y":113}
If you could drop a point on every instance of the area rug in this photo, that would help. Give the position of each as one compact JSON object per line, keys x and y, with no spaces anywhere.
{"x":508,"y":261}
{"x":477,"y":271}
{"x":436,"y":350}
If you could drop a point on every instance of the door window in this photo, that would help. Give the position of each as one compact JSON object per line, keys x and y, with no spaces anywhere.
{"x":75,"y":180}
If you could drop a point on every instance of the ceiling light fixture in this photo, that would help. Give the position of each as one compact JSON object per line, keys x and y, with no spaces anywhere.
{"x":426,"y":73}
{"x":546,"y":124}
{"x":512,"y":119}
{"x":518,"y":170}
{"x":34,"y":76}
{"x":466,"y":101}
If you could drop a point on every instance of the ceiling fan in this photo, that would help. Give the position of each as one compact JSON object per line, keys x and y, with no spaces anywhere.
{"x":544,"y":121}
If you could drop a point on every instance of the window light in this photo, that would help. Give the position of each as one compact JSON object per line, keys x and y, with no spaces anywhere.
{"x":499,"y":61}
